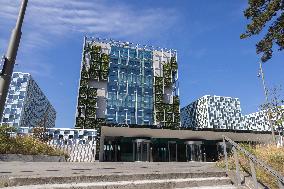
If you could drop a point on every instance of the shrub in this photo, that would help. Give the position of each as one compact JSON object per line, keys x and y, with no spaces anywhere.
{"x":26,"y":145}
{"x":40,"y":133}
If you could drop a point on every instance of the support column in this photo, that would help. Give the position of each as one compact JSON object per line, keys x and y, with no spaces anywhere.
{"x":169,"y":151}
{"x":176,"y":152}
{"x":133,"y":150}
{"x":101,"y":152}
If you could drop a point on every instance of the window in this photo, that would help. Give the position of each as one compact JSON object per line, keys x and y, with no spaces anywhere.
{"x":7,"y":111}
{"x":147,"y":64}
{"x":123,"y":61}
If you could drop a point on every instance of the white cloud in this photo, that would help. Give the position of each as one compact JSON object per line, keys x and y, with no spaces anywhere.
{"x":47,"y":20}
{"x":35,"y":67}
{"x":56,"y":17}
{"x":3,"y":44}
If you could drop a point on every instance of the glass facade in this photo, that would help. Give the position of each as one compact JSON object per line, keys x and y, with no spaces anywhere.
{"x":26,"y":105}
{"x":127,"y":85}
{"x":130,"y":87}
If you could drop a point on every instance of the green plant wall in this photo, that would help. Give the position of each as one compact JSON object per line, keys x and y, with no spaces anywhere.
{"x":165,"y":113}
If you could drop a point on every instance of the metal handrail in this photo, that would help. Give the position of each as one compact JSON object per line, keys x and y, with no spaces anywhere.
{"x":253,"y":160}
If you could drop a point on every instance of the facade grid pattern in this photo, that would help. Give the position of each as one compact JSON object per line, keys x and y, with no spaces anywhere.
{"x":132,"y":83}
{"x":222,"y":113}
{"x":118,"y":87}
{"x":130,"y":87}
{"x":26,"y":105}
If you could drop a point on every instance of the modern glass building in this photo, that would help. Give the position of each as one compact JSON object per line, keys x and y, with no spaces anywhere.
{"x":26,"y":105}
{"x":127,"y":85}
{"x":129,"y":94}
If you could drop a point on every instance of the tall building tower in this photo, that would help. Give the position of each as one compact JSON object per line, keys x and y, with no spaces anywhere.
{"x":126,"y":84}
{"x":26,"y":105}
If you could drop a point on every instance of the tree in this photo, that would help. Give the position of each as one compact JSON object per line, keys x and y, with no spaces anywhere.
{"x":274,"y":109}
{"x":266,"y":15}
{"x":40,"y":133}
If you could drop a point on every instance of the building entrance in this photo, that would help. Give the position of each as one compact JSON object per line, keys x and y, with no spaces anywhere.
{"x":172,"y":146}
{"x":112,"y":152}
{"x":141,"y":150}
{"x":194,"y":150}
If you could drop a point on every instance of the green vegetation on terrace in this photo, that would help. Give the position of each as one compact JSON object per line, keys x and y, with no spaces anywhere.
{"x":26,"y":145}
{"x":270,"y":154}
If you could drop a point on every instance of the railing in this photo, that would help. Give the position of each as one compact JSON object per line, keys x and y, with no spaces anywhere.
{"x":253,"y":161}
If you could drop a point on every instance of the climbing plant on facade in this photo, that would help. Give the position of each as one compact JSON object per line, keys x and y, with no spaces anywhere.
{"x":95,"y":66}
{"x":167,"y":113}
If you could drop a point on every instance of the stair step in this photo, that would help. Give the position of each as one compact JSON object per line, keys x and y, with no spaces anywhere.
{"x":140,"y":184}
{"x":20,"y":181}
{"x":212,"y":187}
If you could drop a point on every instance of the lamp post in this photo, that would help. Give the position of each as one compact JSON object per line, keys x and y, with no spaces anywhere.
{"x":267,"y":101}
{"x":10,"y":57}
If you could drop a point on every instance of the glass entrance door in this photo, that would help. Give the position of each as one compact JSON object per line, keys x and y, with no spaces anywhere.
{"x":141,"y":150}
{"x":193,"y":150}
{"x":172,"y":146}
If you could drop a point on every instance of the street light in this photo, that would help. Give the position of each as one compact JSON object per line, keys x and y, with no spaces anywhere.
{"x":10,"y":57}
{"x":261,"y":73}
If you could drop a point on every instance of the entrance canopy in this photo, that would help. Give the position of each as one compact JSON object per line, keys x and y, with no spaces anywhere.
{"x":182,"y":134}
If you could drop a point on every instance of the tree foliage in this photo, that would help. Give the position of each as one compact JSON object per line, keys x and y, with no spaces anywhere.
{"x":275,"y":105}
{"x":266,"y":15}
{"x":5,"y":131}
{"x":40,"y":134}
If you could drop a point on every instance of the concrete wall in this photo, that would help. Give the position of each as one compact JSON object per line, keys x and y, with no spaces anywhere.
{"x":31,"y":158}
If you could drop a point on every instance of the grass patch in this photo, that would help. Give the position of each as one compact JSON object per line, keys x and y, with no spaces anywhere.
{"x":270,"y":154}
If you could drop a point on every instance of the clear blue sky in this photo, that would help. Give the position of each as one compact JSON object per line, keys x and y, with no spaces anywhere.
{"x":212,"y":58}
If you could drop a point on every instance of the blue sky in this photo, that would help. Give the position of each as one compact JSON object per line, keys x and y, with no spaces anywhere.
{"x":212,"y":58}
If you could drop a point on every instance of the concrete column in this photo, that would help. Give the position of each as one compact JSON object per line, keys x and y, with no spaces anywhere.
{"x":133,"y":150}
{"x":102,"y":141}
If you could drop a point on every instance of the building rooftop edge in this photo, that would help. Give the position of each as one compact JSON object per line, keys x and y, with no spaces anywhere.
{"x":22,"y":73}
{"x":209,"y":96}
{"x":129,"y":44}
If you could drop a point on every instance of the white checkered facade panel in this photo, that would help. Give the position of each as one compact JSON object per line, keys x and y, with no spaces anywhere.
{"x":217,"y":112}
{"x":16,"y":99}
{"x":37,"y":110}
{"x":224,"y":112}
{"x":195,"y":115}
{"x":26,"y":104}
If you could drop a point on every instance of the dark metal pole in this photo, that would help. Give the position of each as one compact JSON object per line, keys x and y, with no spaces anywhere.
{"x":10,"y":57}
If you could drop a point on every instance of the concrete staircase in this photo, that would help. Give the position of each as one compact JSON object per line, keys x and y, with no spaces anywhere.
{"x":138,"y":181}
{"x":218,"y":183}
{"x":123,"y":176}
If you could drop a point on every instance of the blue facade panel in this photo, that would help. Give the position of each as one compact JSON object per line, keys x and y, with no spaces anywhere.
{"x":130,"y":87}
